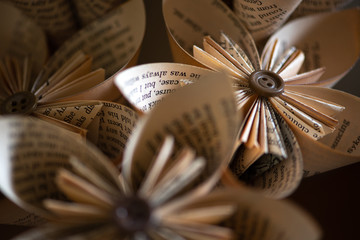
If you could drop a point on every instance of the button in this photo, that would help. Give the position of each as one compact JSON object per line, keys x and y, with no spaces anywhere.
{"x":19,"y":103}
{"x":132,"y":214}
{"x":266,"y":83}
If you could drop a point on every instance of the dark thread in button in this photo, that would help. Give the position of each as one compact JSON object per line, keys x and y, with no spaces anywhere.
{"x":266,"y":83}
{"x":19,"y":103}
{"x":131,"y":215}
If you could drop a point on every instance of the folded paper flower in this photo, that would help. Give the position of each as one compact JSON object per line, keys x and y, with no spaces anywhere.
{"x":164,"y":190}
{"x":268,"y":93}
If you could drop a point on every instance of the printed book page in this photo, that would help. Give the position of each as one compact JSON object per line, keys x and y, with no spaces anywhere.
{"x":262,"y":18}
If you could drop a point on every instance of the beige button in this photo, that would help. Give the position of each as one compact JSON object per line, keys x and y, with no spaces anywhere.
{"x":19,"y":103}
{"x":266,"y":83}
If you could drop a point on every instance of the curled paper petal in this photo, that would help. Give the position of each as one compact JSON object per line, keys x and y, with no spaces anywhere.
{"x":18,"y":30}
{"x":112,"y":40}
{"x":319,"y":6}
{"x":146,"y":85}
{"x":60,"y":19}
{"x":254,"y":212}
{"x":263,"y":18}
{"x":339,"y":148}
{"x":336,"y":52}
{"x":188,"y":22}
{"x":32,"y":153}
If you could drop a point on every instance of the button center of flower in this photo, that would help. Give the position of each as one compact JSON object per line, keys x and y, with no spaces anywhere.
{"x":19,"y":103}
{"x":266,"y":83}
{"x":132,"y":214}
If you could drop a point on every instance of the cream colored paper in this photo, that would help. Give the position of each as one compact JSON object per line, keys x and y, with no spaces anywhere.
{"x":260,"y":218}
{"x":263,"y":18}
{"x":314,"y":35}
{"x":21,"y":37}
{"x":55,"y":17}
{"x":60,"y":19}
{"x":188,"y":21}
{"x":341,"y":146}
{"x":36,"y":150}
{"x":111,"y":128}
{"x":89,"y":11}
{"x":144,"y":86}
{"x":319,"y":6}
{"x":113,"y":41}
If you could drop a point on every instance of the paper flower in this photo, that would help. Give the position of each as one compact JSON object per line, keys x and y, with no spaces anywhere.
{"x":93,"y":119}
{"x":287,"y":104}
{"x":261,"y":89}
{"x":22,"y":94}
{"x":115,"y":211}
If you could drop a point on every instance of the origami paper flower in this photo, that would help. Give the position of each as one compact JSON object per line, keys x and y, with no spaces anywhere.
{"x":22,"y":95}
{"x":261,"y":89}
{"x":269,"y":91}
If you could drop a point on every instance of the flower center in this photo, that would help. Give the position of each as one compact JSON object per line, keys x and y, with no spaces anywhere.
{"x":266,"y":83}
{"x":19,"y":103}
{"x":132,"y":214}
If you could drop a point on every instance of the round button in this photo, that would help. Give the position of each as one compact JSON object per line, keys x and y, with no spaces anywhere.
{"x":19,"y":103}
{"x":132,"y":215}
{"x":266,"y":83}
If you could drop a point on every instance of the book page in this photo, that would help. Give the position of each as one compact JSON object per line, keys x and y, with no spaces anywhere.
{"x":275,"y":175}
{"x":14,"y":215}
{"x":89,"y":11}
{"x":32,"y":153}
{"x":111,"y":129}
{"x":314,"y":35}
{"x":307,"y":7}
{"x":55,"y":17}
{"x":189,"y":21}
{"x":79,"y":113}
{"x":257,"y":217}
{"x":284,"y":177}
{"x":340,"y":147}
{"x":205,"y":120}
{"x":262,"y":18}
{"x":146,"y":85}
{"x":21,"y":37}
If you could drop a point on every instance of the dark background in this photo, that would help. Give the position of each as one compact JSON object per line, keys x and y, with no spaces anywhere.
{"x":332,"y":198}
